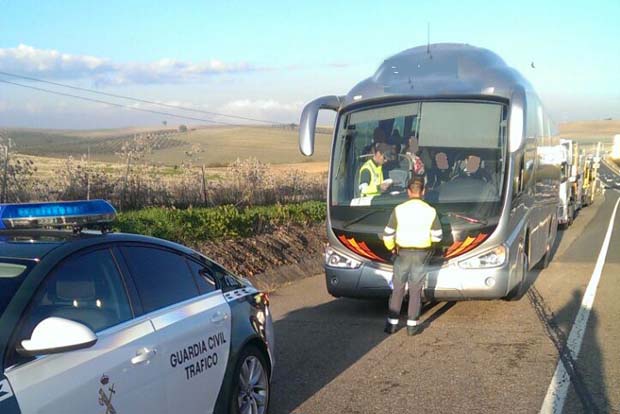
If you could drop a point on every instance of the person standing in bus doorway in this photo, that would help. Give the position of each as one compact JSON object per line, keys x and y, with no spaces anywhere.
{"x":371,"y":180}
{"x":411,"y":231}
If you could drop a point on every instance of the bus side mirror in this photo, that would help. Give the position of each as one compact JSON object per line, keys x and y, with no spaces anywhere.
{"x":307,"y":123}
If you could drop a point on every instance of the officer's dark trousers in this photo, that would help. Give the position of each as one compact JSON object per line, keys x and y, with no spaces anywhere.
{"x":408,"y":267}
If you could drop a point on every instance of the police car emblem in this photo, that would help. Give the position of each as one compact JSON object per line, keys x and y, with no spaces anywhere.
{"x":105,"y":396}
{"x":5,"y":390}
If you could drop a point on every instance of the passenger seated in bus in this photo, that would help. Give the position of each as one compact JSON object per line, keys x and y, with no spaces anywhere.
{"x":378,"y":136}
{"x":412,"y":151}
{"x":472,"y":169}
{"x":371,"y":180}
{"x":440,"y":172}
{"x":392,"y":156}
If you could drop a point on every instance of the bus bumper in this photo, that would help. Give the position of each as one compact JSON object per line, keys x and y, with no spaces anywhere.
{"x":446,"y":283}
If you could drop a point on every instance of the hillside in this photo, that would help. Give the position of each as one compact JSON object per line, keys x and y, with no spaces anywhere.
{"x":220,"y":145}
{"x":590,"y":131}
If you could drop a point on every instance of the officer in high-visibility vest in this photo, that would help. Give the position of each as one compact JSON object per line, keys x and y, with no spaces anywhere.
{"x":371,"y":180}
{"x":411,"y":231}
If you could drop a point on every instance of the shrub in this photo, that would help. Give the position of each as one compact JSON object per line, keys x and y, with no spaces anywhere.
{"x":194,"y":225}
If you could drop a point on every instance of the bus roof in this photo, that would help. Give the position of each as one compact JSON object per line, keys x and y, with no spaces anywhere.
{"x":436,"y":70}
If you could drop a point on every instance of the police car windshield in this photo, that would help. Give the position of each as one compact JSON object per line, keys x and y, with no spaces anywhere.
{"x":11,"y":277}
{"x":458,"y":146}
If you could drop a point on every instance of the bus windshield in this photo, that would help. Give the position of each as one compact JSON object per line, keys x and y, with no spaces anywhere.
{"x":458,"y":147}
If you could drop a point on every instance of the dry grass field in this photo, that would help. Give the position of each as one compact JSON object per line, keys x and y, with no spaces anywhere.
{"x":219,"y":145}
{"x":591,"y":131}
{"x":51,"y":164}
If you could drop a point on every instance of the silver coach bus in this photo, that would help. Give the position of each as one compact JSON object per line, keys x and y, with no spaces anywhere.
{"x":457,"y":103}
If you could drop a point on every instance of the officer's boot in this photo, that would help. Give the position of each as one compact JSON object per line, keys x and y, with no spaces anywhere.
{"x":391,"y":325}
{"x":413,"y":327}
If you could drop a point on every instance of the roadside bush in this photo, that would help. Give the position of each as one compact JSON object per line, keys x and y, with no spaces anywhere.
{"x":243,"y":183}
{"x":134,"y":182}
{"x":194,"y":225}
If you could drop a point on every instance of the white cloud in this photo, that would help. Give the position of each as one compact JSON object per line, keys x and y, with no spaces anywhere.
{"x":267,"y":109}
{"x":52,"y":64}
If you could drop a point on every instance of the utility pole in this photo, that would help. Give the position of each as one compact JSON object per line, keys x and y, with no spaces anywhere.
{"x":204,"y":186}
{"x":88,"y":174}
{"x":5,"y":170}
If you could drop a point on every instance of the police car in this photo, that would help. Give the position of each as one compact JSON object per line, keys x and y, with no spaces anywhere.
{"x":99,"y":322}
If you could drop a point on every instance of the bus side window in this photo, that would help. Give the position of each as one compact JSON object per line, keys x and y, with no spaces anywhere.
{"x":518,"y":176}
{"x":524,"y":167}
{"x":529,"y":158}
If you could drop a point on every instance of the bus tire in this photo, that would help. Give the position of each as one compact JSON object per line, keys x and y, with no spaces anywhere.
{"x":521,"y":287}
{"x":543,"y":263}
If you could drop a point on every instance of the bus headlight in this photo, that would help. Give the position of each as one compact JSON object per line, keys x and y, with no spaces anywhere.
{"x":493,"y":258}
{"x":336,"y":259}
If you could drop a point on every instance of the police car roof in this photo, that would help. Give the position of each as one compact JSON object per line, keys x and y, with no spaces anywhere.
{"x":36,"y":243}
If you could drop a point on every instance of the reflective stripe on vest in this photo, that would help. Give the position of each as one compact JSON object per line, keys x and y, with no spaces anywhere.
{"x":376,"y":177}
{"x":414,"y":221}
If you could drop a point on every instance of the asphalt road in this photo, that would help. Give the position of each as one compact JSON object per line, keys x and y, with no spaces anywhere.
{"x":482,"y":357}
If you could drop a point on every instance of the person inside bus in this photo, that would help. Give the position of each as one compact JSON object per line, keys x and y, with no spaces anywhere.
{"x":412,"y":151}
{"x":371,"y":180}
{"x":473,"y":170}
{"x":378,"y":136}
{"x":392,"y":161}
{"x":440,"y":172}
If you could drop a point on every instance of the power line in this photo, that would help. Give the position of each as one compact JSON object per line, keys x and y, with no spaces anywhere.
{"x":113,"y":95}
{"x":115,"y":104}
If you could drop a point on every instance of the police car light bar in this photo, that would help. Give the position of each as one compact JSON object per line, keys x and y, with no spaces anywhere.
{"x":57,"y":214}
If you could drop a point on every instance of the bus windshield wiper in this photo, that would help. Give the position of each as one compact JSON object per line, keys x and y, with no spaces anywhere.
{"x":360,"y":218}
{"x":467,"y":218}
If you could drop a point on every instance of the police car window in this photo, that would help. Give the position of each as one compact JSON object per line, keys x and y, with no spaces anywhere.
{"x":227,"y":280}
{"x":11,"y":277}
{"x":161,"y":277}
{"x":206,"y":281}
{"x":87,"y":289}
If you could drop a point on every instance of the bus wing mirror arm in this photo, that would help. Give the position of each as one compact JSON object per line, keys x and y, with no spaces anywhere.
{"x":307,"y":123}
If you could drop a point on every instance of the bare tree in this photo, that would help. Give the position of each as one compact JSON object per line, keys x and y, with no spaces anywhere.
{"x":16,"y":172}
{"x":133,"y":152}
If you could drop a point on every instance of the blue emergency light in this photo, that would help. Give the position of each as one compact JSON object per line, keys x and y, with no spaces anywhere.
{"x":56,"y":214}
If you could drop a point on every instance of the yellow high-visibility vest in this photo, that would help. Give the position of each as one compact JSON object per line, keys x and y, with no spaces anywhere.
{"x":376,"y":178}
{"x":414,"y":226}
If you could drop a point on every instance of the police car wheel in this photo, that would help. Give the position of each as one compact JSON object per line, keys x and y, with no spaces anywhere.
{"x":251,"y":391}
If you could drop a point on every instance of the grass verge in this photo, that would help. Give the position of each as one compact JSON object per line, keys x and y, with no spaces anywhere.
{"x":196,"y":225}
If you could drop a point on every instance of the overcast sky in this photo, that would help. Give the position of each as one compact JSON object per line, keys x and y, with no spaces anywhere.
{"x":265,"y":59}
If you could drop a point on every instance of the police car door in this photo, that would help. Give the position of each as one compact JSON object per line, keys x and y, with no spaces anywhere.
{"x":118,"y":374}
{"x":192,"y":321}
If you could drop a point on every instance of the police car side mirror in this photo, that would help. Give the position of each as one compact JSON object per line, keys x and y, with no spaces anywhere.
{"x":55,"y":335}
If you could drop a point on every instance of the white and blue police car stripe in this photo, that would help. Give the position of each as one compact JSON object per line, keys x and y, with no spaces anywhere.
{"x":8,"y":402}
{"x":240,"y":293}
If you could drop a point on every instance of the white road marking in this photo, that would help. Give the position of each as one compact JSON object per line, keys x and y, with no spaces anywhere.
{"x":556,"y":393}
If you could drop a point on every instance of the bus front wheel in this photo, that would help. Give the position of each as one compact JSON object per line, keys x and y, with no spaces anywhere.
{"x":520,"y":289}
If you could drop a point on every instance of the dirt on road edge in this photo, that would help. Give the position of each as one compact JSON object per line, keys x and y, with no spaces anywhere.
{"x":271,"y":260}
